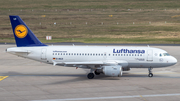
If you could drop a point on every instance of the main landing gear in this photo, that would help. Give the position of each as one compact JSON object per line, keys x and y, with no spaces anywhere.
{"x":150,"y":72}
{"x":91,"y":74}
{"x":96,"y":72}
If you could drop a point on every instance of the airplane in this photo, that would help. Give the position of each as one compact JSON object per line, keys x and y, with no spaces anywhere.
{"x":107,"y":60}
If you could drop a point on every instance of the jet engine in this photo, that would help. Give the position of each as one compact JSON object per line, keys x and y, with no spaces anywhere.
{"x":110,"y":70}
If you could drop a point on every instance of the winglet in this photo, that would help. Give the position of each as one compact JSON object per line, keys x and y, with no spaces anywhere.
{"x":23,"y":35}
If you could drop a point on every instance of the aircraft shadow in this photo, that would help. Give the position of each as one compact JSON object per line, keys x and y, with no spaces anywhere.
{"x":101,"y":76}
{"x":83,"y":77}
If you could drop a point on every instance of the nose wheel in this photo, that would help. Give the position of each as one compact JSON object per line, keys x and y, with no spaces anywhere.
{"x":150,"y":72}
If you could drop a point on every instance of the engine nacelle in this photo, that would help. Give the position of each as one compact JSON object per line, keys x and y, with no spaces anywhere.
{"x":112,"y":70}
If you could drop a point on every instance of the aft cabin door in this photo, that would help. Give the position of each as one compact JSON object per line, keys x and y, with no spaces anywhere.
{"x":150,"y":55}
{"x":43,"y":54}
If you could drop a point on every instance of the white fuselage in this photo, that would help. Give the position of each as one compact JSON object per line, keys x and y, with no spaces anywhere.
{"x":110,"y":61}
{"x":131,"y":57}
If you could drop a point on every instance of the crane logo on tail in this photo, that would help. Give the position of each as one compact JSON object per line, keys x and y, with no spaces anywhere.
{"x":21,"y":31}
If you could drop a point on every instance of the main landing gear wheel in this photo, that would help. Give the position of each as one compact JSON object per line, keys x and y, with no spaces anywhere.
{"x":90,"y":75}
{"x":150,"y":72}
{"x":96,"y":72}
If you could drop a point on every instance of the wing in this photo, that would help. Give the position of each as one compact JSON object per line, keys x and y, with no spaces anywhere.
{"x":92,"y":64}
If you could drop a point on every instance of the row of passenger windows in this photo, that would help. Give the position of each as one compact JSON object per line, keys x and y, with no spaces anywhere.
{"x":97,"y":54}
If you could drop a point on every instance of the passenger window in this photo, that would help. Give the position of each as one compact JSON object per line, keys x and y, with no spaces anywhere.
{"x":82,"y":53}
{"x":71,"y":53}
{"x":160,"y":55}
{"x":66,"y":53}
{"x":74,"y":53}
{"x":101,"y":54}
{"x":53,"y":53}
{"x":113,"y":54}
{"x":104,"y":54}
{"x":109,"y":54}
{"x":118,"y":54}
{"x":129,"y":54}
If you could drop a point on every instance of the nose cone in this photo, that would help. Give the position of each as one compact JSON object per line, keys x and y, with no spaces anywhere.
{"x":173,"y":60}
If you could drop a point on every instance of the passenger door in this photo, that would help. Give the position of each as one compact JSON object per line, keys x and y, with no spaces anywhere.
{"x":150,"y":55}
{"x":43,"y":54}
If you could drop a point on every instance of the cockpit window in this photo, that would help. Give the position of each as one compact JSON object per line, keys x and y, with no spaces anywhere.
{"x":166,"y":54}
{"x":163,"y":54}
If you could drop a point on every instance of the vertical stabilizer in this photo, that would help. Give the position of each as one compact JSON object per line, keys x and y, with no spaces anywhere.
{"x":23,"y":35}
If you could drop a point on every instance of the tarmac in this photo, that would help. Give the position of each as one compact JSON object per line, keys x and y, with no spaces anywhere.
{"x":28,"y":80}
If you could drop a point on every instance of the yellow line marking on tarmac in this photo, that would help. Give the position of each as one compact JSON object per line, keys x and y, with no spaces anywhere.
{"x":3,"y":77}
{"x":142,"y":98}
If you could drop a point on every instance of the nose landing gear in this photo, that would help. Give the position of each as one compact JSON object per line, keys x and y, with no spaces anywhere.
{"x":150,"y":72}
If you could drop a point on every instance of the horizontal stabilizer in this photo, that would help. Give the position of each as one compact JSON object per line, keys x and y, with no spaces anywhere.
{"x":15,"y":50}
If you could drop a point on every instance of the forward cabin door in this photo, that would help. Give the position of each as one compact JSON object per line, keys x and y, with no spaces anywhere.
{"x":150,"y":55}
{"x":43,"y":54}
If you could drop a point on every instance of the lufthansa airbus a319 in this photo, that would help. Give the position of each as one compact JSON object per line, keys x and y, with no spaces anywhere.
{"x":111,"y":60}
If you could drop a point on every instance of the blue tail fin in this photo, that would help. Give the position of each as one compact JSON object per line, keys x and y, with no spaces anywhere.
{"x":23,"y":35}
